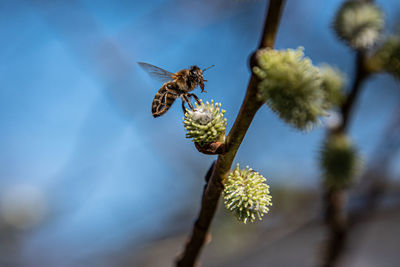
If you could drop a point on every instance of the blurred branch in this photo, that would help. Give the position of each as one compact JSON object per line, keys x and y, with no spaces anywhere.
{"x":347,"y":107}
{"x":336,"y":199}
{"x":249,"y":108}
{"x":375,"y":182}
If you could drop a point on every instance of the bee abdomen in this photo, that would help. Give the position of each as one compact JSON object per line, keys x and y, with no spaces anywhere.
{"x":163,"y":100}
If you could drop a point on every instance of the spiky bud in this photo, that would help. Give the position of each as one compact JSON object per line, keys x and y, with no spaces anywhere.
{"x":340,"y":161}
{"x":359,"y":23}
{"x":291,"y":86}
{"x":333,"y":81}
{"x":246,"y":194}
{"x":388,"y":56}
{"x":206,"y":123}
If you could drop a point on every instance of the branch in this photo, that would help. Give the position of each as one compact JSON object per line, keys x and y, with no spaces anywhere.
{"x":249,"y":108}
{"x":336,"y":199}
{"x":347,"y":107}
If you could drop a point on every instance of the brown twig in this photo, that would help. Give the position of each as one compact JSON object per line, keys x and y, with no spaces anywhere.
{"x":336,"y":199}
{"x":249,"y":107}
{"x":347,"y":107}
{"x":377,"y":183}
{"x":335,"y":213}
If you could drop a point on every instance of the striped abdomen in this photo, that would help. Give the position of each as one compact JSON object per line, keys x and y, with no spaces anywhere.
{"x":163,"y":99}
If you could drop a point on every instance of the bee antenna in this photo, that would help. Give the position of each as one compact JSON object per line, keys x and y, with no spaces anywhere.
{"x":208,"y":68}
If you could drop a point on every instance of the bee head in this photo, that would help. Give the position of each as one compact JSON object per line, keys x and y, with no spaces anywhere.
{"x":197,"y":74}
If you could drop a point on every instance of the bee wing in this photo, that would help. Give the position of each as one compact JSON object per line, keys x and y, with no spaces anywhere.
{"x":156,"y":72}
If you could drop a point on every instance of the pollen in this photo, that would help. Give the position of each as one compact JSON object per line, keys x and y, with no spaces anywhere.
{"x":206,"y":123}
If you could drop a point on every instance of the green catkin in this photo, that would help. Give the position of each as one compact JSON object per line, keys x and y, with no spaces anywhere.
{"x":205,"y":124}
{"x":293,"y":87}
{"x":340,"y":161}
{"x":246,"y":194}
{"x":333,"y":81}
{"x":359,"y":24}
{"x":388,"y":56}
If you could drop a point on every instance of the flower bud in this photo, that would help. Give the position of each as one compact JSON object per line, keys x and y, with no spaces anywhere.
{"x":388,"y":56}
{"x":333,"y":81}
{"x":206,"y":123}
{"x":359,"y":23}
{"x":291,"y":86}
{"x":339,"y":161}
{"x":246,"y":194}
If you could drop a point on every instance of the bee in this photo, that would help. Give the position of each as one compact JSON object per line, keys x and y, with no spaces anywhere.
{"x":176,"y":85}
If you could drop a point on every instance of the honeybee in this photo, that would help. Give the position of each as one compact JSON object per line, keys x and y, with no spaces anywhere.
{"x":175,"y":85}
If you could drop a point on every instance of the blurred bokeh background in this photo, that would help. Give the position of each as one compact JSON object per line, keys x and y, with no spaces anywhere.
{"x":89,"y":178}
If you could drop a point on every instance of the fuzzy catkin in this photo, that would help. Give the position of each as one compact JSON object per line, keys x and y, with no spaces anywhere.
{"x":333,"y":81}
{"x":339,"y":161}
{"x":291,"y":86}
{"x":206,"y":123}
{"x":359,"y":24}
{"x":389,"y":56}
{"x":246,"y":194}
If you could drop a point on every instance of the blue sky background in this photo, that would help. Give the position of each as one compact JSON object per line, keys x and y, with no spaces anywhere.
{"x":75,"y":114}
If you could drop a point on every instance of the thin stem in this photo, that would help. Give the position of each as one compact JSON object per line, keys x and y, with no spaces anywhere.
{"x":336,"y":199}
{"x":249,"y":108}
{"x":336,"y":216}
{"x":271,"y":24}
{"x":347,"y":107}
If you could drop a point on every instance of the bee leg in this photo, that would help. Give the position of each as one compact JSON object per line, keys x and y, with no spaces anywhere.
{"x":195,"y":98}
{"x":186,"y":99}
{"x":165,"y":97}
{"x":183,"y":107}
{"x":163,"y":103}
{"x":189,"y":103}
